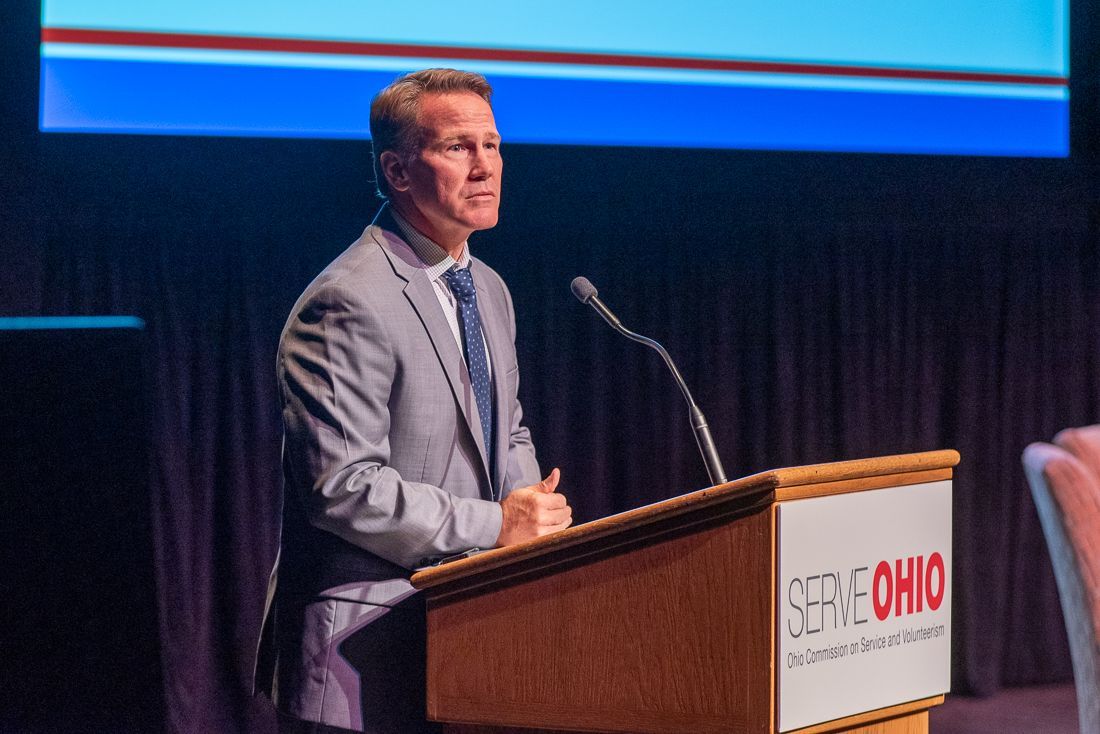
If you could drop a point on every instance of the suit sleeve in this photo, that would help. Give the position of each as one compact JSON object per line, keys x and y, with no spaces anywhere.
{"x":522,"y":467}
{"x":336,"y":371}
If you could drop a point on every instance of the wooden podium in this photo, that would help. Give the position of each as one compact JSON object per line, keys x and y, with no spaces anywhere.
{"x":661,"y":619}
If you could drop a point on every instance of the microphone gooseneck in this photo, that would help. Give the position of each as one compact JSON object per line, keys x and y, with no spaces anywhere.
{"x":586,"y":293}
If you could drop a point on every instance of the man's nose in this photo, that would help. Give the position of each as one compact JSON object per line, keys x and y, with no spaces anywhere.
{"x":480,"y":166}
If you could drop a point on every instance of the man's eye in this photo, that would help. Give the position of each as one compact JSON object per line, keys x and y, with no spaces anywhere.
{"x":457,"y":147}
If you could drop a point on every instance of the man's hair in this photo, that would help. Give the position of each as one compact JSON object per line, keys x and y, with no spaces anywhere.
{"x":394,"y":111}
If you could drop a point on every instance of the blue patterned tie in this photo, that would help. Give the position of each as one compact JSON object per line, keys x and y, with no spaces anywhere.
{"x":462,"y":286}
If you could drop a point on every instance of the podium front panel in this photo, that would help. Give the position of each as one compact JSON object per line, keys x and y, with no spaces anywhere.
{"x":863,"y":607}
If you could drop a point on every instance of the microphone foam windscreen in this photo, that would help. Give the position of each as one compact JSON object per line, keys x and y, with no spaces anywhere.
{"x":582,"y":289}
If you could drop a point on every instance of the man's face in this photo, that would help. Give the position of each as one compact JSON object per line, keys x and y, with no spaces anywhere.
{"x":453,"y":179}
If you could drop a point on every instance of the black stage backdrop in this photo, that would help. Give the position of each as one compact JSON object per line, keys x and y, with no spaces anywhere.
{"x":822,"y":307}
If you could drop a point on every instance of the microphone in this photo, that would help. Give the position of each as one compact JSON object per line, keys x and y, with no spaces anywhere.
{"x":586,"y":293}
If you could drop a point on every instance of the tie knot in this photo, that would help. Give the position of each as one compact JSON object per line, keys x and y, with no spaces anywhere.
{"x":461,"y":283}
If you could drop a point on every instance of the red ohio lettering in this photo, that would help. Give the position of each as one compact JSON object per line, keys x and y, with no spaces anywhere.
{"x":917,"y":580}
{"x":935,"y":563}
{"x":882,"y":606}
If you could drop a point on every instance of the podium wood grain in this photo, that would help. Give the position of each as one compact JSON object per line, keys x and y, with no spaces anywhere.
{"x":618,"y":641}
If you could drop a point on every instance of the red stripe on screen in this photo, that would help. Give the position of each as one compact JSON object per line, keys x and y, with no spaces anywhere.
{"x":407,"y":50}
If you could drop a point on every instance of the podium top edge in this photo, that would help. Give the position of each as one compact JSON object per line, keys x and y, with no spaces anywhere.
{"x":880,"y":466}
{"x":755,"y":490}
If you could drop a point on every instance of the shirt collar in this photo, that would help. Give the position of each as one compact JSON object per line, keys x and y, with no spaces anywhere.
{"x":435,"y":259}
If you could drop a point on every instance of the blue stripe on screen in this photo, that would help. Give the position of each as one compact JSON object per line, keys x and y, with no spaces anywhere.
{"x":32,"y":323}
{"x":216,"y":99}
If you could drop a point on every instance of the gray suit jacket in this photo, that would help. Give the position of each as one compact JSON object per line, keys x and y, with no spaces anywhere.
{"x":384,"y":465}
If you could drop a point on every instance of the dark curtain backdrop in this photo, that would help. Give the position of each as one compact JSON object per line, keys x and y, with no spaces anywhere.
{"x":822,"y":307}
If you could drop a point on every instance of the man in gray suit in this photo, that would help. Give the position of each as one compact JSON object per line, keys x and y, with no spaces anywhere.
{"x":404,"y":438}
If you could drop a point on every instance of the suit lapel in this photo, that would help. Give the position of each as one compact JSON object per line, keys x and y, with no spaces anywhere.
{"x":494,"y":324}
{"x":421,"y":295}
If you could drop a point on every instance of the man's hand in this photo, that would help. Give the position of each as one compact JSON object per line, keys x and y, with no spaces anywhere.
{"x":530,"y":512}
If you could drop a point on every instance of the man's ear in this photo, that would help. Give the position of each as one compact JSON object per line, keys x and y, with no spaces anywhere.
{"x":393,"y":168}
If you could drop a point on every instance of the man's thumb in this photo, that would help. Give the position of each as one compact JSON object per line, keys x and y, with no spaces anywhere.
{"x":550,"y":483}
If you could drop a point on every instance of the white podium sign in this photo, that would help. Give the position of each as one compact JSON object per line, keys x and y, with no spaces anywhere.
{"x":863,"y":615}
